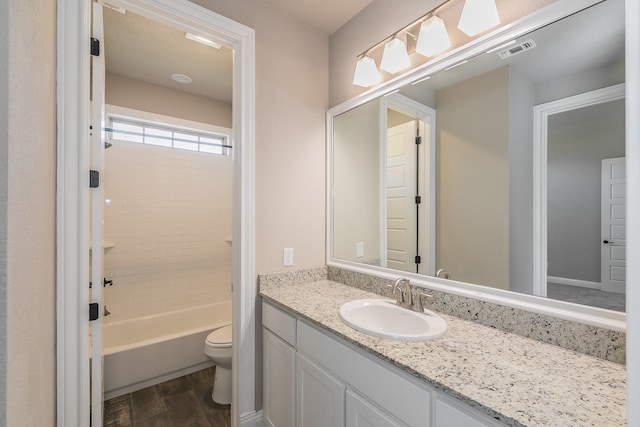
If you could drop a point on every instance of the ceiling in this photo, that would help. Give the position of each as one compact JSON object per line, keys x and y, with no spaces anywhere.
{"x":142,"y":49}
{"x":326,"y":15}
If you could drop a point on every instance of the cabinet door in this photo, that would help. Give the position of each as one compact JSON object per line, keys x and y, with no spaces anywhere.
{"x":362,"y":413}
{"x":450,"y":414}
{"x":319,"y":396}
{"x":279,"y":360}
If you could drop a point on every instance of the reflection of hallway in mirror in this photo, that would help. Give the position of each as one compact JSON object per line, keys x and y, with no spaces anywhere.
{"x":586,"y":296}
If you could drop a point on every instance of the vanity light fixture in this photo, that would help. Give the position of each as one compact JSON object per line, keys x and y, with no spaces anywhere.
{"x":395,"y":57}
{"x":367,"y":73}
{"x":203,"y":40}
{"x":433,"y":37}
{"x":478,"y":16}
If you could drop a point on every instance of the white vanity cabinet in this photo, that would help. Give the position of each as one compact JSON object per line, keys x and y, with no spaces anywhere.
{"x":279,"y":361}
{"x":362,"y":413}
{"x":337,"y":384}
{"x":319,"y":396}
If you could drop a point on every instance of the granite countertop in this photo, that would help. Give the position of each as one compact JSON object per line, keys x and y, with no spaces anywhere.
{"x":518,"y":380}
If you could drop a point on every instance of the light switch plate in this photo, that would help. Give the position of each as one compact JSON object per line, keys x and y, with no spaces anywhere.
{"x":359,"y":249}
{"x":287,"y":257}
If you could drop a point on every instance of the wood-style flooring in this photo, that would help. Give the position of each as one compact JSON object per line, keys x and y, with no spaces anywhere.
{"x":185,"y":401}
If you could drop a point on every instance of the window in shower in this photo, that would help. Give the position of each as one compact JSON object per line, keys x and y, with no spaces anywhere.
{"x":160,"y":134}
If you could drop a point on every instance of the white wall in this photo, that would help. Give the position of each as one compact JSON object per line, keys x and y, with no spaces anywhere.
{"x":4,"y":174}
{"x":143,"y":96}
{"x":356,"y":174}
{"x":27,"y":198}
{"x":291,"y":101}
{"x":472,"y":189}
{"x":168,"y":217}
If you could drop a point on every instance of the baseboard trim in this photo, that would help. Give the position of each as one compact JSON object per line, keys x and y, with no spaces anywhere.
{"x":574,"y":282}
{"x":155,"y":380}
{"x":252,"y":419}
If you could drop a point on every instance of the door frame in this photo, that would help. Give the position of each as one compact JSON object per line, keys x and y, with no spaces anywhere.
{"x":73,"y":23}
{"x":541,"y":114}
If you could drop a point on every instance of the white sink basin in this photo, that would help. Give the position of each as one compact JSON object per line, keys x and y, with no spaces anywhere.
{"x":383,"y":318}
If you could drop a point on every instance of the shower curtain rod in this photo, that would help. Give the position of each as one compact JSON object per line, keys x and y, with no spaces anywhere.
{"x":126,"y":132}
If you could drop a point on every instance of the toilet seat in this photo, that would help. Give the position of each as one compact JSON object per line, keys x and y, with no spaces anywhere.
{"x":220,"y":337}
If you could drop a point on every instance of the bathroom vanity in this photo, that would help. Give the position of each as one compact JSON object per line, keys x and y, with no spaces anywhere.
{"x":319,"y":371}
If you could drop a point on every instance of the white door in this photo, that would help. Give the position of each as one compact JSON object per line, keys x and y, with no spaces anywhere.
{"x":613,"y":244}
{"x":319,"y":396}
{"x":96,"y":215}
{"x":400,"y":197}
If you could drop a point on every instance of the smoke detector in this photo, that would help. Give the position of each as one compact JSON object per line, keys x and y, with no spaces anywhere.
{"x":519,"y":48}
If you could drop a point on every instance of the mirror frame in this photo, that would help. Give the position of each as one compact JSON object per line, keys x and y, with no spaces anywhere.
{"x":583,"y":314}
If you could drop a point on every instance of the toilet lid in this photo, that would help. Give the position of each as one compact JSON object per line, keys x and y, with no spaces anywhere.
{"x":220,"y":337}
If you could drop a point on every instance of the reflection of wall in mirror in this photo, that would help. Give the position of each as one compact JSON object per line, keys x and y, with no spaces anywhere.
{"x":152,"y":98}
{"x":473,"y":179}
{"x":356,"y":193}
{"x":575,"y":150}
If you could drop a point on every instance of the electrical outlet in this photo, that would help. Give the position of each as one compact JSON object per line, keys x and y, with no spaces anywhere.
{"x":359,"y":249}
{"x":287,"y":257}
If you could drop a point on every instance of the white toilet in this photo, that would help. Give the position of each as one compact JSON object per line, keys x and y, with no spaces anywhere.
{"x":218,"y":347}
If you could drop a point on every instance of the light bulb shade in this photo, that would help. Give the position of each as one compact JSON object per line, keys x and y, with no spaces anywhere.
{"x":433,"y":37}
{"x":478,"y":16}
{"x":395,"y":57}
{"x":366,"y":73}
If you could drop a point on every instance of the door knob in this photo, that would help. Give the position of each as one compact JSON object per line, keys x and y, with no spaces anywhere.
{"x":608,"y":242}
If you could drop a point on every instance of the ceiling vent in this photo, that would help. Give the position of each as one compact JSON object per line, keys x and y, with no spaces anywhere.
{"x":526,"y":45}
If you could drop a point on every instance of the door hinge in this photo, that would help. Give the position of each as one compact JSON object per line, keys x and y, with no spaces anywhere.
{"x":94,"y":311}
{"x":418,"y":200}
{"x":95,"y":47}
{"x":94,"y":179}
{"x":418,"y":259}
{"x":418,"y":140}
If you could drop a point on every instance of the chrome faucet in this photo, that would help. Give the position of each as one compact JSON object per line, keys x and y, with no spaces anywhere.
{"x":405,"y":298}
{"x":443,"y":273}
{"x":402,"y":287}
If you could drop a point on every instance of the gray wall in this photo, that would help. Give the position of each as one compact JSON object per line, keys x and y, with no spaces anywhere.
{"x":576,"y":147}
{"x":521,"y":101}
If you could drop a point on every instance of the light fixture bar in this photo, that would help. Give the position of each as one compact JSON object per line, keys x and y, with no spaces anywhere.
{"x":405,"y":28}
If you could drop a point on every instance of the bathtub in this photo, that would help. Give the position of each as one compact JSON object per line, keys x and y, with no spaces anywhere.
{"x":141,"y":352}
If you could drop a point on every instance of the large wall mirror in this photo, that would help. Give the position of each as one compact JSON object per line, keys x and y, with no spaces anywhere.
{"x":502,"y":174}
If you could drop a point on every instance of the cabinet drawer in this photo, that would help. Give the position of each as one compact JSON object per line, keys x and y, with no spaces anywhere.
{"x":452,"y":414}
{"x":388,"y":389}
{"x":360,"y":412}
{"x":279,"y":323}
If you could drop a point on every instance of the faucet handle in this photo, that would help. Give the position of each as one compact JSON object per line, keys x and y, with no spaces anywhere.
{"x":417,"y":301}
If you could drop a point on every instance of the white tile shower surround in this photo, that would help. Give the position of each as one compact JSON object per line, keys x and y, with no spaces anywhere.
{"x":519,"y":381}
{"x":168,"y":215}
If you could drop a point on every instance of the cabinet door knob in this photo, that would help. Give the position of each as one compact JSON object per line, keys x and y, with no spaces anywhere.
{"x":608,"y":242}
